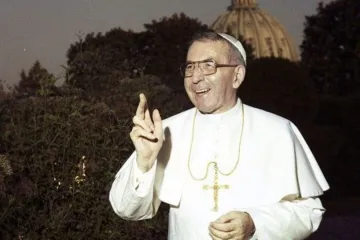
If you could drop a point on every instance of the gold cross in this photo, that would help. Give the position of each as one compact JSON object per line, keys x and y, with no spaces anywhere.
{"x":216,"y":188}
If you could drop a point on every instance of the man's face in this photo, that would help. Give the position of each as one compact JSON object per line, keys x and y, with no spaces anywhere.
{"x":214,"y":93}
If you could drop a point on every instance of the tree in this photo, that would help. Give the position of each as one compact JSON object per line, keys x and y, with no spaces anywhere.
{"x":279,"y":86}
{"x":3,"y":93}
{"x":38,"y":81}
{"x":59,"y":155}
{"x":95,"y":61}
{"x":166,"y":41}
{"x":330,"y":50}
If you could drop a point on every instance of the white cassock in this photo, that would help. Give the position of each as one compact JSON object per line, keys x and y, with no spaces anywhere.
{"x":275,"y":163}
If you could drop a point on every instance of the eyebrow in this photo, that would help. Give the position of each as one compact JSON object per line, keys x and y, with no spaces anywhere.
{"x":205,"y":60}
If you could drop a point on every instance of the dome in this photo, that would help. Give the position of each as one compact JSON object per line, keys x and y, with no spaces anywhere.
{"x":266,"y":35}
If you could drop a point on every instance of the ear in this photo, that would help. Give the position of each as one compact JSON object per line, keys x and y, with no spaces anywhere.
{"x":239,"y":76}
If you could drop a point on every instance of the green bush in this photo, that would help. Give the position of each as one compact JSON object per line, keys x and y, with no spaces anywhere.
{"x":59,"y":156}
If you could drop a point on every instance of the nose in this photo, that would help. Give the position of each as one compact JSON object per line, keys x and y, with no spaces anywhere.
{"x":197,"y":75}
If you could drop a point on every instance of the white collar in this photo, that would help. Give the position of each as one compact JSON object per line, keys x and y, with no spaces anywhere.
{"x":233,"y":112}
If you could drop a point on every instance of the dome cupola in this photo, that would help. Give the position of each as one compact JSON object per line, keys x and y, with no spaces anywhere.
{"x":266,"y":35}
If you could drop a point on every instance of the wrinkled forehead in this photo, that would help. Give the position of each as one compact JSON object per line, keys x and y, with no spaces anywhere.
{"x":207,"y":49}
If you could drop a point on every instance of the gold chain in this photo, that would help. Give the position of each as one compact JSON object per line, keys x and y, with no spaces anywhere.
{"x":215,"y":164}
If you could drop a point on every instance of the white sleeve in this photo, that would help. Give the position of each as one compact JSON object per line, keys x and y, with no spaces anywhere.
{"x":132,"y":192}
{"x":287,"y":220}
{"x":142,"y":182}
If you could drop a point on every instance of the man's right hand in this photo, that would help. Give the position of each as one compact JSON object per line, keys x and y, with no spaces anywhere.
{"x":146,"y":135}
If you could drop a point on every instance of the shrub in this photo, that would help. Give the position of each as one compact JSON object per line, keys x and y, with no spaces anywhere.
{"x":59,"y":156}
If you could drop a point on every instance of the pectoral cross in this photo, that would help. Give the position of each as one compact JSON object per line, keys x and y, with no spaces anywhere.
{"x":216,"y":187}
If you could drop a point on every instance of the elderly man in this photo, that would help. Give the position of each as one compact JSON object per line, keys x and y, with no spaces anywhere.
{"x":227,"y":170}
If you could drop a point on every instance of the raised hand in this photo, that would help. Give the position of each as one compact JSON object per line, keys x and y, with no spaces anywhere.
{"x":146,"y":135}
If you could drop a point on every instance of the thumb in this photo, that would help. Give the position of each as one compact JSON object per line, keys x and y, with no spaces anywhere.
{"x":157,"y":123}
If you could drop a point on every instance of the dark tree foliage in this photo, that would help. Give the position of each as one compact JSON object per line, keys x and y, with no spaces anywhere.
{"x":167,"y":41}
{"x":117,"y":38}
{"x":331,"y":56}
{"x":279,"y":86}
{"x":330,"y":50}
{"x":96,"y":61}
{"x":59,"y":156}
{"x":3,"y":93}
{"x":340,"y":144}
{"x":38,"y":81}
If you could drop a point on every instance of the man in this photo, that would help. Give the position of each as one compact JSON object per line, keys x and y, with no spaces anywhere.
{"x":227,"y":170}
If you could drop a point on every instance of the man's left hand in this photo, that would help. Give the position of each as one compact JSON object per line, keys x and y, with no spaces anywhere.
{"x":233,"y":225}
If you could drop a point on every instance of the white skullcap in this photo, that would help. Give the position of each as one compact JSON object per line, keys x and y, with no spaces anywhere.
{"x":236,"y":43}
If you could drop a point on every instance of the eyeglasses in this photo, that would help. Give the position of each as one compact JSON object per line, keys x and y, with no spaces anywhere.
{"x":207,"y":67}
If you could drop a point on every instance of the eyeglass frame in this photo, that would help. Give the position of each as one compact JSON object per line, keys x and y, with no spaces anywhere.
{"x":217,"y":65}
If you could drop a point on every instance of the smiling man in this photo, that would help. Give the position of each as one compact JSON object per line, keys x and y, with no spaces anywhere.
{"x":227,"y":170}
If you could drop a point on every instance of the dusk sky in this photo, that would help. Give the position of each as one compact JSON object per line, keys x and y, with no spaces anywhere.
{"x":43,"y":30}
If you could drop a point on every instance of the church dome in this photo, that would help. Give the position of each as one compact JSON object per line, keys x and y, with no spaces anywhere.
{"x":266,"y":35}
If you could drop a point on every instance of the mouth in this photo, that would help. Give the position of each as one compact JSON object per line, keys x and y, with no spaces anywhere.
{"x":202,"y":91}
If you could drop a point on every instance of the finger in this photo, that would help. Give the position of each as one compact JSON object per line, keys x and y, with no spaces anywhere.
{"x":226,"y":217}
{"x":224,"y":227}
{"x":140,"y":111}
{"x":158,"y":124}
{"x":142,"y":124}
{"x":213,"y":237}
{"x":216,"y":234}
{"x":138,"y":132}
{"x":148,"y":119}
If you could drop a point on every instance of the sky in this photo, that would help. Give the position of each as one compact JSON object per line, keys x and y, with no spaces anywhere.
{"x":43,"y":30}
